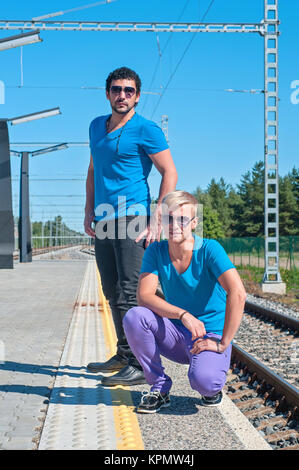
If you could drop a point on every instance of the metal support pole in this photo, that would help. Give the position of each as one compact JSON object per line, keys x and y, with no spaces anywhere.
{"x":6,"y":215}
{"x":42,"y":234}
{"x":272,"y":280}
{"x":164,"y":126}
{"x":50,"y":239}
{"x":56,"y":231}
{"x":24,"y":219}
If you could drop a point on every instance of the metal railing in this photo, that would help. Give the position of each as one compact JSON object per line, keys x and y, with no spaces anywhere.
{"x":250,"y":251}
{"x":53,"y":241}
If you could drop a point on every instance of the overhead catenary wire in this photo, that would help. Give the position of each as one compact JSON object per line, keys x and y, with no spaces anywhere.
{"x":161,"y":52}
{"x":157,"y":93}
{"x":71,"y":10}
{"x":59,"y":13}
{"x":181,"y":59}
{"x":67,"y":87}
{"x":52,"y":179}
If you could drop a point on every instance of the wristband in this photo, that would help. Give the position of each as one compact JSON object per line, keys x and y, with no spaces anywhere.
{"x":182,"y":314}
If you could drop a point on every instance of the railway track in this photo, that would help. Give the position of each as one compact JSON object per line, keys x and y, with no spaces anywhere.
{"x":272,"y":338}
{"x":40,"y":251}
{"x":267,"y":396}
{"x":277,"y":318}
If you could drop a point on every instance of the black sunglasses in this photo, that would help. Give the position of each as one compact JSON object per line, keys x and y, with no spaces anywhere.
{"x":129,"y":90}
{"x":182,"y":221}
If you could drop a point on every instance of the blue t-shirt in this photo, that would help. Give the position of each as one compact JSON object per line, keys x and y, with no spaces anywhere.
{"x":196,"y":290}
{"x":122,"y":165}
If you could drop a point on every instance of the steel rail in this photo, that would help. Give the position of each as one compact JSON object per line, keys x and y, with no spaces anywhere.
{"x":287,"y":320}
{"x":263,"y":372}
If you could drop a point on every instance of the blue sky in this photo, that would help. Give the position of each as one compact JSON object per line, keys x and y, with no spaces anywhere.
{"x":212,"y":133}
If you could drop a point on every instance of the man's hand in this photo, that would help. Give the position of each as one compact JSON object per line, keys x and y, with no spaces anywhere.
{"x":195,"y":326}
{"x":153,"y":230}
{"x":207,"y":344}
{"x":89,"y":217}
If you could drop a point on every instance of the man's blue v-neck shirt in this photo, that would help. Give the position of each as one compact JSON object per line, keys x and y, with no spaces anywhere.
{"x":196,"y":290}
{"x":122,"y":165}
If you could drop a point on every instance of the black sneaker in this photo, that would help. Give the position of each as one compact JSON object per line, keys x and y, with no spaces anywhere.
{"x":151,"y":402}
{"x":215,"y":400}
{"x":114,"y":364}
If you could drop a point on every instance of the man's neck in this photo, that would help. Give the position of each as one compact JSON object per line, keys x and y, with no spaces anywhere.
{"x":119,"y":120}
{"x":179,"y":251}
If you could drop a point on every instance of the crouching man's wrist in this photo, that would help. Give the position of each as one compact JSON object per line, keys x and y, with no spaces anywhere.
{"x":181,"y":314}
{"x":222,"y":345}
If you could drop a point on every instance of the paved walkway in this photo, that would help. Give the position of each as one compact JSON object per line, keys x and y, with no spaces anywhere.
{"x":37,"y":302}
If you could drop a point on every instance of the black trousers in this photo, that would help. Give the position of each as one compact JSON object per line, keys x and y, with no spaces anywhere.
{"x":119,"y":260}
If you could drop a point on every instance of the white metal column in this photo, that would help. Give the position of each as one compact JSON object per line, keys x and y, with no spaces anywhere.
{"x":271,"y":274}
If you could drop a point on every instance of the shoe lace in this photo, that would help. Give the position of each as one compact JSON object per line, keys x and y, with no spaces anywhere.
{"x":146,"y":395}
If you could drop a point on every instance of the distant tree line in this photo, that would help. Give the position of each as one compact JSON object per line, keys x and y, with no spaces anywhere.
{"x":53,"y":229}
{"x":239,"y":211}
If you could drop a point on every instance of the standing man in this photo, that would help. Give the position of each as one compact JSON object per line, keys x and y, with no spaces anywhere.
{"x":124,"y":146}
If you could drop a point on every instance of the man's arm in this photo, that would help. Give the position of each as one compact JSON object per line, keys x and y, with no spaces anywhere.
{"x":146,"y":296}
{"x":164,"y":163}
{"x":89,"y":205}
{"x":235,"y":301}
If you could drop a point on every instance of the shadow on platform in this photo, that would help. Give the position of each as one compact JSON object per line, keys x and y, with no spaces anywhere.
{"x":96,"y":395}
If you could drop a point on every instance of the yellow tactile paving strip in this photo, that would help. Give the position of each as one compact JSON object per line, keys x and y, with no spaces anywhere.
{"x":128,"y":434}
{"x":82,"y":414}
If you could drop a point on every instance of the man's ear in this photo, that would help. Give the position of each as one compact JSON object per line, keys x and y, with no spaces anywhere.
{"x":194,"y":223}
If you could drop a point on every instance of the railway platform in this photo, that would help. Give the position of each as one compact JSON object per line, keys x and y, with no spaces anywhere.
{"x":54,"y":320}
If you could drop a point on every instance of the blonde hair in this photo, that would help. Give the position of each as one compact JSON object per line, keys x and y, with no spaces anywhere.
{"x":178,"y":198}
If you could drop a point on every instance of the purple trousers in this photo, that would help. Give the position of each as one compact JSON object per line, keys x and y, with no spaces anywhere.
{"x":151,"y":336}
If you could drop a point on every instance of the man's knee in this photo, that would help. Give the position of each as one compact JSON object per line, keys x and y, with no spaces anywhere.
{"x":205,"y":382}
{"x":133,"y":316}
{"x":138,"y":317}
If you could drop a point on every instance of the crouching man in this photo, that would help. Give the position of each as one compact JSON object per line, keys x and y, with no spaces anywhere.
{"x":201,"y":313}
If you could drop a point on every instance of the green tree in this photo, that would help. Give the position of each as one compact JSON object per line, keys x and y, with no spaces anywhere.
{"x":294,"y":177}
{"x":240,"y":212}
{"x":250,"y":221}
{"x":219,"y":196}
{"x":212,"y":226}
{"x":288,"y":207}
{"x":236,"y":206}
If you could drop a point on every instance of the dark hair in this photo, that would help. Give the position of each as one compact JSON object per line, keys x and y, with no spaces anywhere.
{"x":121,"y":74}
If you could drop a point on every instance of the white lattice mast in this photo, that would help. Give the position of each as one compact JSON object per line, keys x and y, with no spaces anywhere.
{"x":271,"y":98}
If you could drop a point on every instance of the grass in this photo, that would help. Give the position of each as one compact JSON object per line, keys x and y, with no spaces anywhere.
{"x":253,"y":276}
{"x":290,"y":277}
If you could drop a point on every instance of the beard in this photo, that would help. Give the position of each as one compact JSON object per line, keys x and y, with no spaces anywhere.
{"x":125,"y":109}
